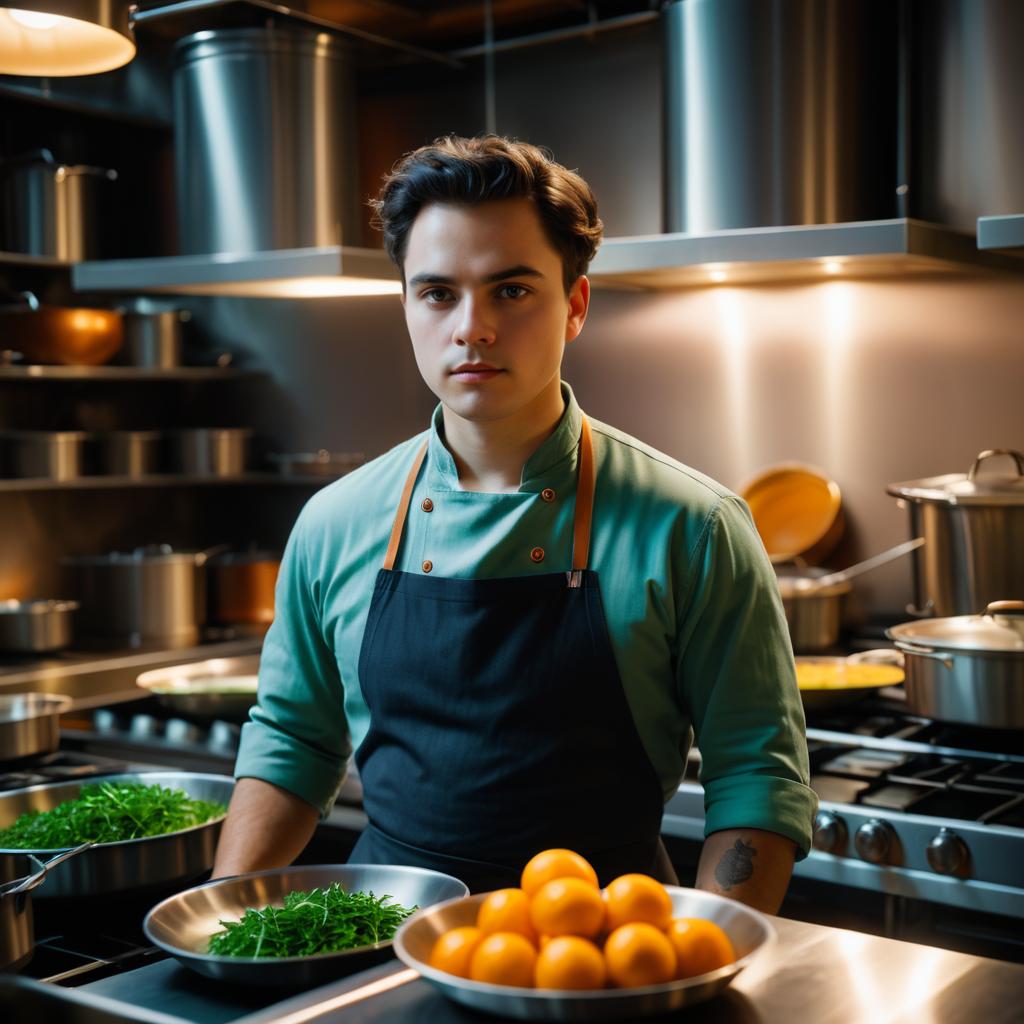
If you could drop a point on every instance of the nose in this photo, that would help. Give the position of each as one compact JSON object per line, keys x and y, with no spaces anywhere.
{"x":474,"y":324}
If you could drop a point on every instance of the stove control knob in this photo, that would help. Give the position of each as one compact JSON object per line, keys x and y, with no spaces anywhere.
{"x":875,"y":841}
{"x":829,"y":832}
{"x":948,"y":853}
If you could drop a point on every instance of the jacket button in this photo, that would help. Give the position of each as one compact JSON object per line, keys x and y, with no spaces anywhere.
{"x":547,"y":494}
{"x":428,"y":565}
{"x":537,"y":554}
{"x":427,"y":505}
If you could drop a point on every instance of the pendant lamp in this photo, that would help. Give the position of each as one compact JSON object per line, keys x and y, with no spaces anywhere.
{"x":57,"y":38}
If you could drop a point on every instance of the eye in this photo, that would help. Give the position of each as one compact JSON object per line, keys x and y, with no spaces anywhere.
{"x":436,"y":295}
{"x":513,"y":291}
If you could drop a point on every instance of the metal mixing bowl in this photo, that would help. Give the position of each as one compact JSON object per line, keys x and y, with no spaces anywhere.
{"x":749,"y":931}
{"x":182,"y":924}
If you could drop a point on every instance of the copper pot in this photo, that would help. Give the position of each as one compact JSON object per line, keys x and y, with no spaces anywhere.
{"x":240,"y":587}
{"x":76,"y":336}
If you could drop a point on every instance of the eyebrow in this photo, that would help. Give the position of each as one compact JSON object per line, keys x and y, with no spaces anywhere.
{"x":522,"y":270}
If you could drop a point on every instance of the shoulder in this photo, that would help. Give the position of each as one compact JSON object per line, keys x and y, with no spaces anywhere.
{"x":367,"y":495}
{"x":628,"y":465}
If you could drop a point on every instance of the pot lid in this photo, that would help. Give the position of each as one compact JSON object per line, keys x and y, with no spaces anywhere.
{"x":970,"y":488}
{"x":1000,"y":628}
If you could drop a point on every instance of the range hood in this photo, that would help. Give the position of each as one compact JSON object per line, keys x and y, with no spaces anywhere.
{"x":1002,"y":233}
{"x":881,"y":248}
{"x":285,"y":273}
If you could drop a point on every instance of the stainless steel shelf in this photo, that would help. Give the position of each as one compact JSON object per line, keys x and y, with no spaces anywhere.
{"x":882,"y":248}
{"x":284,"y":273}
{"x":91,"y":483}
{"x":94,"y":679}
{"x":23,"y":259}
{"x":1002,"y":233}
{"x":132,"y":373}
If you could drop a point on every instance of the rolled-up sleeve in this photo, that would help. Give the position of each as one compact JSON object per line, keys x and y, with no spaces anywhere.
{"x":736,"y":676}
{"x":297,"y":736}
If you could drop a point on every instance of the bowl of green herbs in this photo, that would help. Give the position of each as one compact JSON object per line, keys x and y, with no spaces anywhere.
{"x":296,"y":926}
{"x":149,"y":829}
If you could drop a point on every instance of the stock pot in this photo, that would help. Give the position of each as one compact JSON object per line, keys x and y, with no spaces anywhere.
{"x":968,"y":668}
{"x":974,"y":528}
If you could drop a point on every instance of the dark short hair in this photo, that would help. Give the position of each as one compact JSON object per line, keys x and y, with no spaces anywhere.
{"x":454,"y":169}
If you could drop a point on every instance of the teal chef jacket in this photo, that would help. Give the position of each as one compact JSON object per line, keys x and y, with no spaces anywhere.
{"x":693,"y":611}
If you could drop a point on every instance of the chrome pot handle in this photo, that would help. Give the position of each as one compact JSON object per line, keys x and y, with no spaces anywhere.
{"x":1017,"y":457}
{"x":927,"y":652}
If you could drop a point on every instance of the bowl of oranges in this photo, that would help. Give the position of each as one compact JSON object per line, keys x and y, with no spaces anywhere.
{"x":560,"y":947}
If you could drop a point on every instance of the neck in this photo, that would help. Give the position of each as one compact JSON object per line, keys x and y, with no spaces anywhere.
{"x":490,"y":455}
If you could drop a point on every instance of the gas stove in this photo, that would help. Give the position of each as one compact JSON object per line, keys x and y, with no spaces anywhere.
{"x":914,"y":809}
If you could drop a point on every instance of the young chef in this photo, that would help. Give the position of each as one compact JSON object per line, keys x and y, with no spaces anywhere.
{"x":517,"y":617}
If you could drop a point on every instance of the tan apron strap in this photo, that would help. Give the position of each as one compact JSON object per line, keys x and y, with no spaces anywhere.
{"x":403,"y":509}
{"x":584,"y":501}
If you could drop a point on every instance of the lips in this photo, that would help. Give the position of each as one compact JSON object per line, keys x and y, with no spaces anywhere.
{"x":474,"y":368}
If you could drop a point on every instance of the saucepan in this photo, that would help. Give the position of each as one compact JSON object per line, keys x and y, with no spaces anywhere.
{"x":34,"y":627}
{"x":967,"y":668}
{"x":30,"y":724}
{"x":17,"y":931}
{"x":812,"y":597}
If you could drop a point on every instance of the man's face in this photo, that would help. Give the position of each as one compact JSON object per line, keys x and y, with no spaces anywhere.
{"x":486,"y":307}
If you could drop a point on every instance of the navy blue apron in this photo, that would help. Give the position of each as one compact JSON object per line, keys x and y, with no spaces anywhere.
{"x":498,"y":722}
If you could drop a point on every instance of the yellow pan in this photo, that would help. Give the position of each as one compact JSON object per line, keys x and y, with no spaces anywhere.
{"x":824,"y":681}
{"x":797,"y":510}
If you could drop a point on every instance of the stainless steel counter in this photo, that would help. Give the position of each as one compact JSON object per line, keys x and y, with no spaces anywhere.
{"x":813,"y":973}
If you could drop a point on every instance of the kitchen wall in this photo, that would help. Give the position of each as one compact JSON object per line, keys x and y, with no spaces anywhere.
{"x":874,"y":381}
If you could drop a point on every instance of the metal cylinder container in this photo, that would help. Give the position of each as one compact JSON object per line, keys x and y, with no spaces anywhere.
{"x":131,"y":453}
{"x":779,"y":112}
{"x":153,"y":339}
{"x":32,"y":627}
{"x":51,"y":454}
{"x":265,"y":141}
{"x":209,"y":451}
{"x":813,"y":613}
{"x":968,"y":99}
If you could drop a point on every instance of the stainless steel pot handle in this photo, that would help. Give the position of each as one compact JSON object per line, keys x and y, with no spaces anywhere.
{"x":927,"y":652}
{"x":1017,"y":457}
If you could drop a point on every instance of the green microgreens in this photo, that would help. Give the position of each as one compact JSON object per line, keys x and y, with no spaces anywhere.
{"x":319,"y":921}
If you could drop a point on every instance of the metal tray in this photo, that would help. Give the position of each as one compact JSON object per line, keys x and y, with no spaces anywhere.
{"x":750,"y":932}
{"x":118,"y":867}
{"x":182,"y":924}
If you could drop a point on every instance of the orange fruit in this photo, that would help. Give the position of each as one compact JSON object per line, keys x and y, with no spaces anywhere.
{"x":453,"y":951}
{"x":570,"y":962}
{"x":700,"y":946}
{"x":567,"y":906}
{"x":633,"y":898}
{"x":506,"y":910}
{"x":505,"y":958}
{"x":639,"y":954}
{"x":551,"y":864}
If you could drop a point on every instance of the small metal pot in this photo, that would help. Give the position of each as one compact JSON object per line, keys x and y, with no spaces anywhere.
{"x":32,"y":627}
{"x":209,"y":452}
{"x":30,"y":724}
{"x":241,"y":587}
{"x":51,"y":454}
{"x":17,"y":927}
{"x":967,"y":669}
{"x":51,"y":209}
{"x":152,"y":338}
{"x":321,"y":463}
{"x":813,"y":612}
{"x":131,"y":453}
{"x":75,"y":336}
{"x":973,"y":525}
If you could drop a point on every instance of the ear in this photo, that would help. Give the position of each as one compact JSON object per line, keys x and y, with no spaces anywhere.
{"x":579,"y":303}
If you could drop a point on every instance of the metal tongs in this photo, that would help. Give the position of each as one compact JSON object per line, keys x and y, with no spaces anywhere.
{"x":20,"y":886}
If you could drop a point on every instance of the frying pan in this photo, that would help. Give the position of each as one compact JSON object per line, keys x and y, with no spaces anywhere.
{"x":835,"y":682}
{"x":222,"y":688}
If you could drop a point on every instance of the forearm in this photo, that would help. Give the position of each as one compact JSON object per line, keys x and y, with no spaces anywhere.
{"x":748,"y":865}
{"x":266,"y":827}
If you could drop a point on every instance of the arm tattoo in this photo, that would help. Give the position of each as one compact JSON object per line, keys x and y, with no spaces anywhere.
{"x":736,"y":865}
